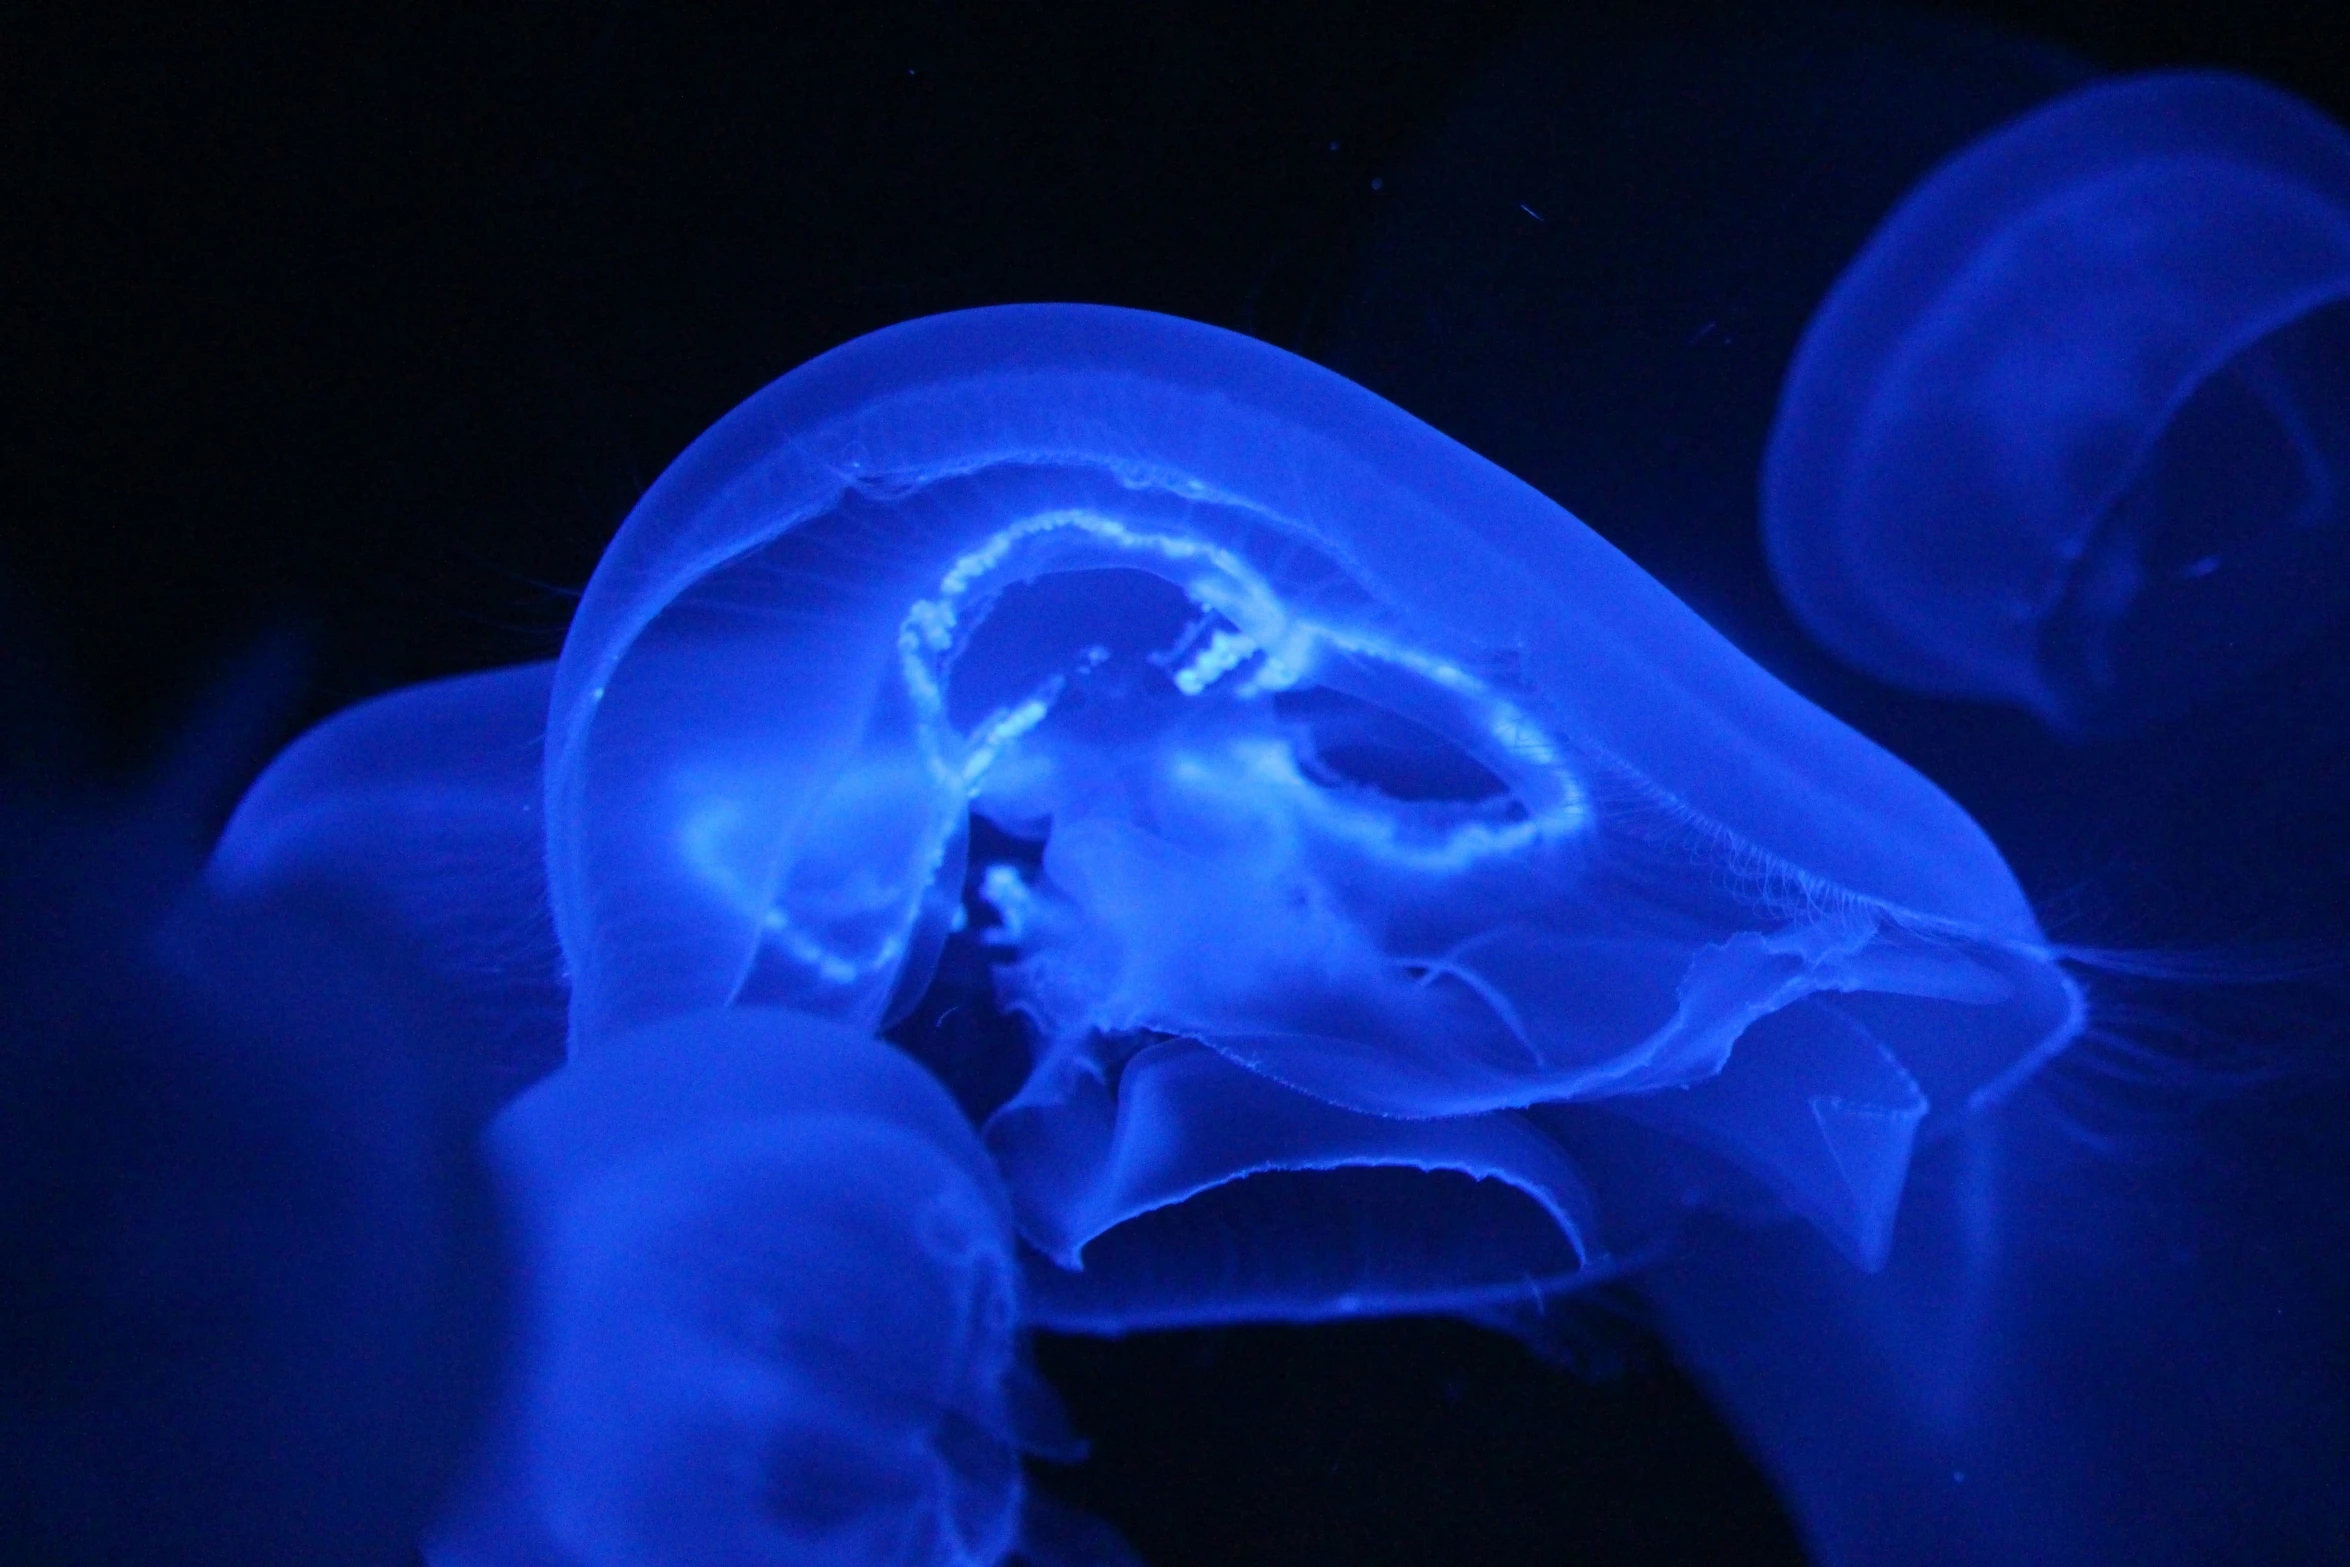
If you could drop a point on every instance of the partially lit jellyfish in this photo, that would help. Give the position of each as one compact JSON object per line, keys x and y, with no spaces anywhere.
{"x":2073,"y":431}
{"x":1415,"y":907}
{"x":2081,"y":1351}
{"x":248,"y":1282}
{"x":2083,"y":1347}
{"x":773,"y":1316}
{"x":423,"y":805}
{"x":1595,"y":270}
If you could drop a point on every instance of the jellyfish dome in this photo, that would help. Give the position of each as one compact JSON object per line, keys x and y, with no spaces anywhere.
{"x":2071,"y":431}
{"x":422,"y":806}
{"x":1413,"y":905}
{"x":773,"y":1313}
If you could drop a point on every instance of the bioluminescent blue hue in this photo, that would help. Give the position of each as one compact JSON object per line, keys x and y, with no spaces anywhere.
{"x":773,"y":1314}
{"x":424,"y":806}
{"x":1414,"y":904}
{"x":247,"y":1272}
{"x":2095,"y":1339}
{"x":2070,"y":1359}
{"x":1595,"y":269}
{"x":2073,"y":431}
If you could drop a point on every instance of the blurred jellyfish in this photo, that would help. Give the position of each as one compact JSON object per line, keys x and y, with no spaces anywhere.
{"x":773,"y":1318}
{"x":2111,"y":1324}
{"x":2077,"y":1353}
{"x":1594,"y":271}
{"x":423,"y":806}
{"x":248,"y":1282}
{"x":2072,"y":431}
{"x":1415,"y":907}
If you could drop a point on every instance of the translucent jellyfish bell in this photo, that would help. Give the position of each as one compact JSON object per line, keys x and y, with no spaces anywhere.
{"x":2072,"y":431}
{"x":774,"y":1309}
{"x":424,"y":807}
{"x":1414,"y":904}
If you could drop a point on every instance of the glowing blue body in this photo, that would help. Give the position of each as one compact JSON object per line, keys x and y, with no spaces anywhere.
{"x":1379,"y":825}
{"x":772,"y":1314}
{"x":2073,"y":430}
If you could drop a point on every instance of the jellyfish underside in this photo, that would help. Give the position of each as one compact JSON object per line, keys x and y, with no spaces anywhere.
{"x":1287,"y":894}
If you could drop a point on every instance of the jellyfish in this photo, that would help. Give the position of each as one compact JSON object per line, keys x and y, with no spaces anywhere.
{"x":2070,"y":433}
{"x":1409,"y":904}
{"x":248,"y":1261}
{"x":1595,"y":268}
{"x":2109,"y":1327}
{"x":773,"y":1316}
{"x":2082,"y":1350}
{"x":423,"y":806}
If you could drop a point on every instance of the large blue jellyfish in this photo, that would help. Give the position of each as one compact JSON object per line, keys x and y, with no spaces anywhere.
{"x":2072,"y":431}
{"x":772,"y":1316}
{"x":1414,"y":906}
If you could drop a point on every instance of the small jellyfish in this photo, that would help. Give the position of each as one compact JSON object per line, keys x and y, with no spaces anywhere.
{"x":773,"y":1317}
{"x":1414,"y":906}
{"x":423,"y":806}
{"x":2072,"y":431}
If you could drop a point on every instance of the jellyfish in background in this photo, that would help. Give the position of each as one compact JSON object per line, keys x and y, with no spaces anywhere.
{"x":248,"y":1262}
{"x":2100,"y":1335}
{"x":423,"y":806}
{"x":2072,"y":431}
{"x":1594,"y":271}
{"x":1415,"y":907}
{"x":773,"y":1315}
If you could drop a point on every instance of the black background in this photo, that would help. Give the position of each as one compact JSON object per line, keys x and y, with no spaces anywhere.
{"x":374,"y":321}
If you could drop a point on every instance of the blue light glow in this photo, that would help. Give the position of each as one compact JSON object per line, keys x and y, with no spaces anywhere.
{"x":1377,"y":815}
{"x":2071,"y":431}
{"x":772,"y":1315}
